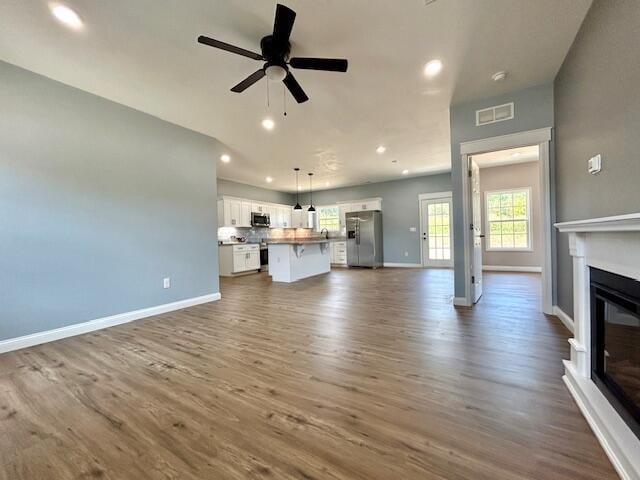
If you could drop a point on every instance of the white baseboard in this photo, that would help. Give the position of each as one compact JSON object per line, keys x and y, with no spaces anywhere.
{"x":100,"y":323}
{"x":461,"y":302}
{"x":509,"y":268}
{"x":564,"y":318}
{"x":402,"y":265}
{"x":616,"y":438}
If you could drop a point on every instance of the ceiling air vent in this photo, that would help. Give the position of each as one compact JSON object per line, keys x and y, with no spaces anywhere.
{"x":499,"y":113}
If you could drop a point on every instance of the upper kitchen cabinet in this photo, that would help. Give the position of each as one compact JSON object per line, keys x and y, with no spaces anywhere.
{"x":364,"y":205}
{"x":302,"y":218}
{"x":236,"y":212}
{"x":258,"y":207}
{"x":357,"y":206}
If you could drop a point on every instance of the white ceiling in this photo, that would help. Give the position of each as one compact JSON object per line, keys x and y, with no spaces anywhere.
{"x":144,"y":54}
{"x":508,"y":157}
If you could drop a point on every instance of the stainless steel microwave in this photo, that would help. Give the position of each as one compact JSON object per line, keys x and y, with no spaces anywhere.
{"x":260,"y":219}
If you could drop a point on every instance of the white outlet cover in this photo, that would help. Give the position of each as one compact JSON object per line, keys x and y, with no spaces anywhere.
{"x":412,"y":229}
{"x":166,"y":283}
{"x":406,"y":254}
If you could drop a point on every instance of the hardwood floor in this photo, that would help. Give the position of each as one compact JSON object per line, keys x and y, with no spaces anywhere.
{"x":357,"y":374}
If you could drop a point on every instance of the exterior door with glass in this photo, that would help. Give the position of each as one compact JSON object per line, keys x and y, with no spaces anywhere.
{"x":437,"y":245}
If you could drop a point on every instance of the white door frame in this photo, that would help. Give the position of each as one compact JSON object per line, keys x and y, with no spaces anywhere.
{"x":434,"y":196}
{"x":542,"y":138}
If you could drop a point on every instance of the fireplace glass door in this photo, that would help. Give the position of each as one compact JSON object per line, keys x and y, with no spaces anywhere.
{"x":616,"y":342}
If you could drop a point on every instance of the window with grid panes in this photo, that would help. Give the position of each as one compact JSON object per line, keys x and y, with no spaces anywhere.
{"x":508,"y":219}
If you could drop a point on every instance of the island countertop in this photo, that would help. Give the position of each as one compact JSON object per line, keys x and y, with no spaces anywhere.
{"x":298,"y":241}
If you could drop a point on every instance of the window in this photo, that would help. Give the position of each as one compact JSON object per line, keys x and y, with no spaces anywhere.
{"x":508,"y":219}
{"x":329,"y":218}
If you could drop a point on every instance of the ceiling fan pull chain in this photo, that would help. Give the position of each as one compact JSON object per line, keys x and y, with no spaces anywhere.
{"x":284,"y":100}
{"x":268,"y":105}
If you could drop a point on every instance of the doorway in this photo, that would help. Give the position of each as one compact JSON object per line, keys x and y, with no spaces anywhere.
{"x":474,"y":203}
{"x":436,"y":232}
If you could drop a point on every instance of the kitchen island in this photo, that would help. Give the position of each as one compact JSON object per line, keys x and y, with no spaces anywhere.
{"x":291,"y":260}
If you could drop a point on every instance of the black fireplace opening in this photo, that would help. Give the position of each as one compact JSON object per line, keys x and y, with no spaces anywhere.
{"x":615,"y":342}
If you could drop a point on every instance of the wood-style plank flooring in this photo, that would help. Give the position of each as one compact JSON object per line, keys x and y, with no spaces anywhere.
{"x":357,"y":374}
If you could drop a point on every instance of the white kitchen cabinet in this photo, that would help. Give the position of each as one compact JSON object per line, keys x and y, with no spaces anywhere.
{"x":258,"y":207}
{"x":286,"y":216}
{"x":235,"y":259}
{"x":274,"y":219}
{"x":343,"y":209}
{"x":363,"y":205}
{"x":246,"y":213}
{"x":339,"y":253}
{"x":300,"y":218}
{"x":232,"y":209}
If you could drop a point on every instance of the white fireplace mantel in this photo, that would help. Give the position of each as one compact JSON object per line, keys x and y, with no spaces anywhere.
{"x":611,"y":244}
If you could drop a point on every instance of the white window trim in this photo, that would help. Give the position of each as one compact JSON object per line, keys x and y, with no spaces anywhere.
{"x":529,"y":220}
{"x":317,"y":216}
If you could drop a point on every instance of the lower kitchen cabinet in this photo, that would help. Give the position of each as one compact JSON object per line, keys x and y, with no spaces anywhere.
{"x":339,"y":253}
{"x":235,"y":259}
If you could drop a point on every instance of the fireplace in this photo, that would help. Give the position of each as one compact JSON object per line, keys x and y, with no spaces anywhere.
{"x":615,"y":342}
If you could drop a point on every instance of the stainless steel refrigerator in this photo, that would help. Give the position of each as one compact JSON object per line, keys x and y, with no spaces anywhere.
{"x":364,"y":239}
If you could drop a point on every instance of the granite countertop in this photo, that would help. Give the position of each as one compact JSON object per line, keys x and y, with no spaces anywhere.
{"x":296,"y":241}
{"x":337,"y":239}
{"x":238,"y":243}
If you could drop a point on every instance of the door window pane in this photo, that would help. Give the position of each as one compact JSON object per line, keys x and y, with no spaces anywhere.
{"x":439,"y":231}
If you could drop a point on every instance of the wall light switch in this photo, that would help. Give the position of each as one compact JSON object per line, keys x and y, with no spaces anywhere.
{"x":595,"y":164}
{"x":406,"y":254}
{"x":412,"y":229}
{"x":166,"y":282}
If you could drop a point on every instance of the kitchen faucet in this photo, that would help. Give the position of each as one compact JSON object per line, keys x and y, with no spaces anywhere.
{"x":326,"y":235}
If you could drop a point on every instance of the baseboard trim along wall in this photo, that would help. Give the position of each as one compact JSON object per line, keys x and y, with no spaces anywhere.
{"x":509,"y":268}
{"x":564,"y":318}
{"x":100,"y":323}
{"x":402,"y":265}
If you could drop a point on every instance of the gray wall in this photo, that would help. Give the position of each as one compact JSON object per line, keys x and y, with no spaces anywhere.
{"x":235,"y":189}
{"x":533,"y":110}
{"x":98,"y":202}
{"x":598,"y":111}
{"x":514,"y":176}
{"x":400,"y":210}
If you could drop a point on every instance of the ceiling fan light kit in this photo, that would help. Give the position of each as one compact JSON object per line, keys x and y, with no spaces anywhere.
{"x":275,"y":49}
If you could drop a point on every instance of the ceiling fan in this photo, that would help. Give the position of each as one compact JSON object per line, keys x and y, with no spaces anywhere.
{"x":275,"y":53}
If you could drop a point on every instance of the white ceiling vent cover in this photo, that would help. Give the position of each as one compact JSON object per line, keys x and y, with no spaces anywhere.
{"x":499,"y":113}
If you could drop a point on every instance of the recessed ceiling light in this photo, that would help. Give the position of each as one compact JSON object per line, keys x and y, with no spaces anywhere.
{"x":326,"y":183}
{"x":225,"y":158}
{"x":66,"y":15}
{"x":268,"y":124}
{"x":268,"y":179}
{"x":405,"y":172}
{"x":499,"y":76}
{"x":515,"y":154}
{"x":433,"y":68}
{"x":381,"y":149}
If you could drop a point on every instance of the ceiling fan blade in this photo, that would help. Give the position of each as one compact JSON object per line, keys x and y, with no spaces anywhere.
{"x":328,"y":64}
{"x":247,"y":82}
{"x":283,"y":24}
{"x":295,"y":88}
{"x":228,"y":47}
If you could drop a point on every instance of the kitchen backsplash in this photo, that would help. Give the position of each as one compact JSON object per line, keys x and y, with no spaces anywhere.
{"x":254,"y":235}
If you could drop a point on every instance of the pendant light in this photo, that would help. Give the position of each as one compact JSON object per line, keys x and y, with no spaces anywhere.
{"x":298,"y":206}
{"x":311,"y":207}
